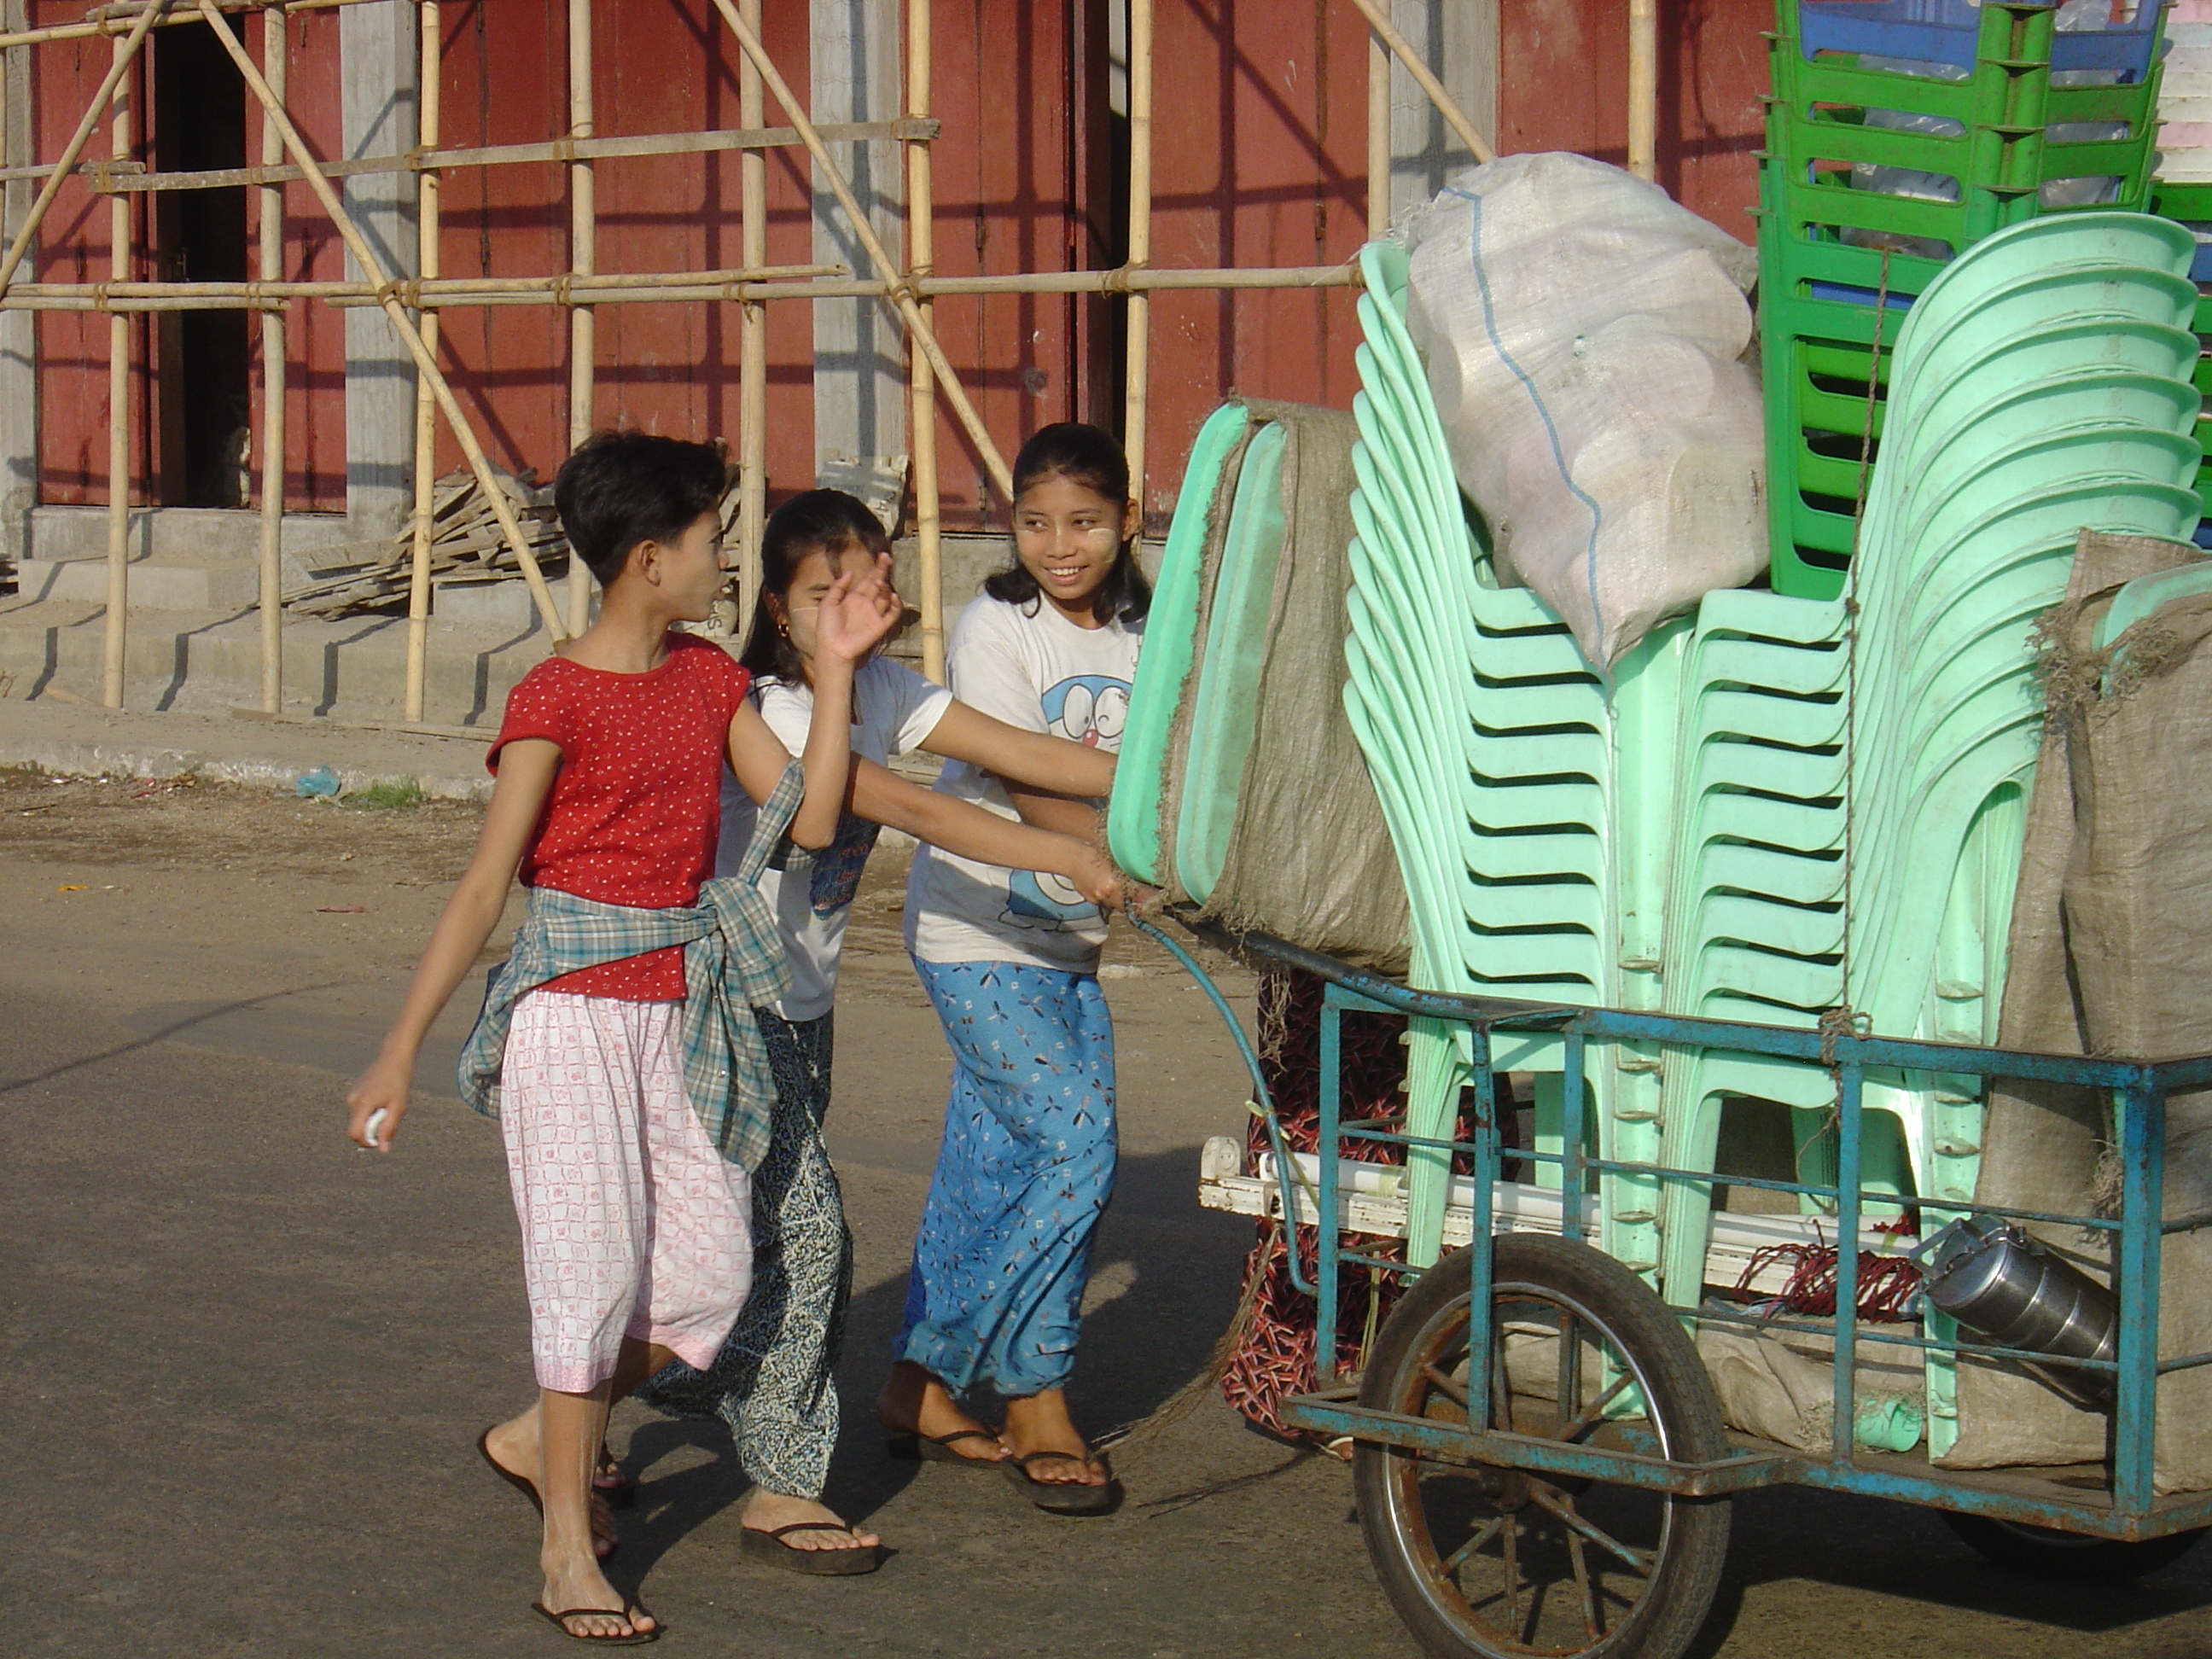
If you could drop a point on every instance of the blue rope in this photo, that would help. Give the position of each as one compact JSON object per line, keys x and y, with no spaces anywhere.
{"x":1551,"y":432}
{"x":1263,"y":1103}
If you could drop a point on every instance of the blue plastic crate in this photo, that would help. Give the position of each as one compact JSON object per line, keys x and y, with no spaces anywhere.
{"x":1945,"y":32}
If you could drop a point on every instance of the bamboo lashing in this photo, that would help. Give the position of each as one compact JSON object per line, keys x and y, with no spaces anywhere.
{"x":1423,"y":77}
{"x":1135,"y":404}
{"x":752,"y":340}
{"x":270,"y":265}
{"x":428,"y":117}
{"x":583,"y":256}
{"x":117,"y":620}
{"x":900,"y":295}
{"x":366,"y":257}
{"x":922,"y":421}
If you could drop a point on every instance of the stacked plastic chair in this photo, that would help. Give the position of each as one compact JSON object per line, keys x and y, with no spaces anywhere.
{"x":1753,"y":819}
{"x":1841,"y":257}
{"x":2190,"y":206}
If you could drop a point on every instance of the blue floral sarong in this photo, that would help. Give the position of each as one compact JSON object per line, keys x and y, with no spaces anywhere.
{"x":1023,"y":1174}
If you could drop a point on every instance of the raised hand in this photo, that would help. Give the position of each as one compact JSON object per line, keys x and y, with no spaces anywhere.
{"x":858,"y":612}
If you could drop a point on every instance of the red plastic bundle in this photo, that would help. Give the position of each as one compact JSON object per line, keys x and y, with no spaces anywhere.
{"x":1885,"y":1282}
{"x":1276,"y":1356}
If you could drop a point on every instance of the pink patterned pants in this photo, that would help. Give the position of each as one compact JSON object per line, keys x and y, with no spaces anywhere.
{"x":633,"y":1224}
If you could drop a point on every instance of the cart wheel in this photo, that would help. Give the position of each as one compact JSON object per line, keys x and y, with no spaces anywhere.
{"x":1483,"y":1561}
{"x":2056,"y":1554}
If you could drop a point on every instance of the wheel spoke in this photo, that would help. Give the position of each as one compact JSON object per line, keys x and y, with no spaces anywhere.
{"x":1583,"y":1424}
{"x":1642,"y":1560}
{"x":1459,"y":1557}
{"x":1593,"y":1626}
{"x":1508,"y":1546}
{"x":1569,"y":1391}
{"x":1452,"y":1390}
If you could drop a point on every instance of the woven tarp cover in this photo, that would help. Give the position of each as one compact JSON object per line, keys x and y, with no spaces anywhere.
{"x":2111,"y":954}
{"x":1310,"y":858}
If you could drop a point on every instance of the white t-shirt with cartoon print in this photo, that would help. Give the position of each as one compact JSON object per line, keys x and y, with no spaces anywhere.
{"x":1029,"y":666}
{"x":812,"y":901}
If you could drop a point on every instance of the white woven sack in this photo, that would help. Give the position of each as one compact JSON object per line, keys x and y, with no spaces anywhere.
{"x":1583,"y":337}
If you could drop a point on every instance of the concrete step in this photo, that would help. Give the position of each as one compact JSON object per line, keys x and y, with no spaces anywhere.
{"x":161,"y":583}
{"x":209,"y":661}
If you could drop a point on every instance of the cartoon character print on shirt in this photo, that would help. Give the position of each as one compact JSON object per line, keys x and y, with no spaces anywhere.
{"x":1086,"y":708}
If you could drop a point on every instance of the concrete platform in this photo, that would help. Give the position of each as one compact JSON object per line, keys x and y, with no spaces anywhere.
{"x":209,"y":661}
{"x":73,"y":740}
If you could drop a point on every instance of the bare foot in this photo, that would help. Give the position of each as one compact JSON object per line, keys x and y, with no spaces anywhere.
{"x":1039,"y":1428}
{"x":914,"y":1402}
{"x":514,"y":1446}
{"x":575,"y":1587}
{"x":767,"y":1510}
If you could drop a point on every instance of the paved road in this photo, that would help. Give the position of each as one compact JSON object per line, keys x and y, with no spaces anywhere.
{"x":245,"y":1364}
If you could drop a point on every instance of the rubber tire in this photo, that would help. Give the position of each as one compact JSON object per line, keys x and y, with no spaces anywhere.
{"x":1680,"y":1397}
{"x":2049,"y":1554}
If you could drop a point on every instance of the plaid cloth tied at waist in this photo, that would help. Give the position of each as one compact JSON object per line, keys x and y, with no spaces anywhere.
{"x":734,"y":963}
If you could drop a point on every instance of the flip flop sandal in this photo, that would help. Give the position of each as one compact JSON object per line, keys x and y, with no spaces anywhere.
{"x":1063,"y":1496}
{"x":622,"y":1494}
{"x":919,"y":1448}
{"x":636,"y":1638}
{"x":528,"y":1488}
{"x":769,"y":1548}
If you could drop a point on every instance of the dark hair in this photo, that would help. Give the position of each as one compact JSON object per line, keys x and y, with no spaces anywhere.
{"x":812,"y":522}
{"x":622,"y":487}
{"x":1082,"y":455}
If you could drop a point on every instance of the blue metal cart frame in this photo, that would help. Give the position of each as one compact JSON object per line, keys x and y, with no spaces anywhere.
{"x":2132,"y":1511}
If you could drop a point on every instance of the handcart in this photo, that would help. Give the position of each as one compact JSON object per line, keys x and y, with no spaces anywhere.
{"x":1541,"y":1465}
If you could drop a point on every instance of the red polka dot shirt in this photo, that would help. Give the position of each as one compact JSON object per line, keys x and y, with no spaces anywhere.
{"x":635,"y":807}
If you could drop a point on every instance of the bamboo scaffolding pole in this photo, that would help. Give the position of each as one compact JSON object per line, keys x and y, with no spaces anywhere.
{"x":1423,"y":77}
{"x":1135,"y":404}
{"x":430,"y":25}
{"x":583,"y":260}
{"x":752,"y":341}
{"x":111,"y":21}
{"x":125,"y":54}
{"x":1378,"y":136}
{"x":117,"y":630}
{"x":365,"y":256}
{"x":617,"y":289}
{"x":921,"y":417}
{"x":908,"y":305}
{"x":270,"y":264}
{"x":413,"y":292}
{"x":1644,"y":88}
{"x":135,"y":176}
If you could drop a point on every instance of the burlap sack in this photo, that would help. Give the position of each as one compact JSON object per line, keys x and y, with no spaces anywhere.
{"x":2110,"y":953}
{"x":1309,"y":857}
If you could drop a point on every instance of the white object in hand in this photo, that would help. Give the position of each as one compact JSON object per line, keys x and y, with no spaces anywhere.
{"x":375,"y":1123}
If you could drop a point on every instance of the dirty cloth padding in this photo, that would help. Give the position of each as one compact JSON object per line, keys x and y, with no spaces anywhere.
{"x":1779,"y":1383}
{"x":2110,"y":953}
{"x":1309,"y":857}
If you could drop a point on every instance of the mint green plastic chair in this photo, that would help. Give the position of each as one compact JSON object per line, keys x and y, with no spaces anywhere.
{"x":1132,"y":814}
{"x":1222,"y":713}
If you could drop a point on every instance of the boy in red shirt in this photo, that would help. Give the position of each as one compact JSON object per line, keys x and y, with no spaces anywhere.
{"x":617,"y":1047}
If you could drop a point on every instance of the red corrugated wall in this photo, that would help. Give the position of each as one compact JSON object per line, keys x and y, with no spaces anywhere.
{"x":1259,"y":159}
